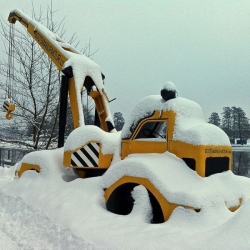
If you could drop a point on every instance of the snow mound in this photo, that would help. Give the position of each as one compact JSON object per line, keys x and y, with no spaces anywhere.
{"x":49,"y":211}
{"x":178,"y":183}
{"x":82,"y":135}
{"x":29,"y":228}
{"x":169,"y":86}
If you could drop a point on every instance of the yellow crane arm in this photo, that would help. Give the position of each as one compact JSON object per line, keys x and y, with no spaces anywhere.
{"x":57,"y":50}
{"x":53,"y":46}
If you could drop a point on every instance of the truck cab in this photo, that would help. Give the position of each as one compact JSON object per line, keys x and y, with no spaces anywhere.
{"x":177,"y":126}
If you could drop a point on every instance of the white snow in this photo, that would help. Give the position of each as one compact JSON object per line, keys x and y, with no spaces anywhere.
{"x":111,"y":142}
{"x":82,"y":66}
{"x":169,"y":86}
{"x":46,"y":32}
{"x":178,"y":183}
{"x":55,"y":210}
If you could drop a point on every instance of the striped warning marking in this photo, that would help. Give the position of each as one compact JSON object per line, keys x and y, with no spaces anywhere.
{"x":6,"y":106}
{"x":87,"y":156}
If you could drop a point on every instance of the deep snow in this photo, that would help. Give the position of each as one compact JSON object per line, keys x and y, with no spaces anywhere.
{"x":55,"y":210}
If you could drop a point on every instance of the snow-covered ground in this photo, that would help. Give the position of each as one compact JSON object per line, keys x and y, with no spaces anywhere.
{"x":56,"y":210}
{"x":241,"y":148}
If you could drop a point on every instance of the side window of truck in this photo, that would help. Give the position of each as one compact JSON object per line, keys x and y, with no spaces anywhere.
{"x":153,"y":129}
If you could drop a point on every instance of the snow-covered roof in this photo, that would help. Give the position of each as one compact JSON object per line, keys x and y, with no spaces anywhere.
{"x":190,"y":125}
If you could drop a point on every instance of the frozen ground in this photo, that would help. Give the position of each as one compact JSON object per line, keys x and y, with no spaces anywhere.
{"x":56,"y":210}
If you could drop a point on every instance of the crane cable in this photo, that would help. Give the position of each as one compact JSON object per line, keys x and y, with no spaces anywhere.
{"x":10,"y":72}
{"x":8,"y":104}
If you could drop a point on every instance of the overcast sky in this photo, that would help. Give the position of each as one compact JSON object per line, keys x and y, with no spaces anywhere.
{"x":201,"y":46}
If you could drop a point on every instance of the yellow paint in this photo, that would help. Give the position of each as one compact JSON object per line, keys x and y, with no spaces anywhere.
{"x":232,"y":209}
{"x":27,"y":166}
{"x":181,"y":149}
{"x":11,"y":109}
{"x":100,"y":107}
{"x":166,"y":207}
{"x":132,"y":146}
{"x":74,"y":103}
{"x":200,"y":153}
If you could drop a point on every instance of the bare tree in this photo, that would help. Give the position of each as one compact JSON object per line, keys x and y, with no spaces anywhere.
{"x":35,"y":87}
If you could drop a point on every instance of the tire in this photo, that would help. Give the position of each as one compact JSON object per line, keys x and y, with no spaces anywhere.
{"x":121,"y":202}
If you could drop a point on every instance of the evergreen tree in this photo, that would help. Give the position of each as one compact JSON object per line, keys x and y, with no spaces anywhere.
{"x":235,"y":124}
{"x":227,"y":121}
{"x":214,"y":119}
{"x":118,"y":120}
{"x":242,"y":125}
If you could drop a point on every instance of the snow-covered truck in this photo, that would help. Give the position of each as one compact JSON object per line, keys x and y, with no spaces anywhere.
{"x":160,"y":127}
{"x":172,"y":131}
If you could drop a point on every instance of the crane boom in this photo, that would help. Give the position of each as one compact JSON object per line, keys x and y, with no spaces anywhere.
{"x":61,"y":52}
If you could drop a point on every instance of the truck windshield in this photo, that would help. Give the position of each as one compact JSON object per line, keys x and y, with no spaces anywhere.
{"x":153,"y":129}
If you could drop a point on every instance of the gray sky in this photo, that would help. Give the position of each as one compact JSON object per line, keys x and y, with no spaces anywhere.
{"x":202,"y":46}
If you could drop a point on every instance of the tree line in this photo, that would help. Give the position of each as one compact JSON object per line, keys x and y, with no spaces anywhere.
{"x":234,"y":122}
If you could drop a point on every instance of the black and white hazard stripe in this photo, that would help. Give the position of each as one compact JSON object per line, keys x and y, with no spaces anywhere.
{"x":6,"y":106}
{"x":87,"y":156}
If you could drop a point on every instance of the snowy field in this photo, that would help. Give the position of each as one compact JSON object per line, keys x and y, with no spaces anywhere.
{"x":56,"y":210}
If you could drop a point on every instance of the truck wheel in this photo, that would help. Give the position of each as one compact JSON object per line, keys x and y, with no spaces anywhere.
{"x":121,"y":202}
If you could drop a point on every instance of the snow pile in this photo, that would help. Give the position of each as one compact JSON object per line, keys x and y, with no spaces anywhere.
{"x":56,"y":210}
{"x":169,"y":86}
{"x":111,"y":142}
{"x":32,"y":222}
{"x":178,"y":183}
{"x":142,"y":208}
{"x":191,"y":127}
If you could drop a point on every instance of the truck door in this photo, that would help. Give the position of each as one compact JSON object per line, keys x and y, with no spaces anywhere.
{"x":150,"y":137}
